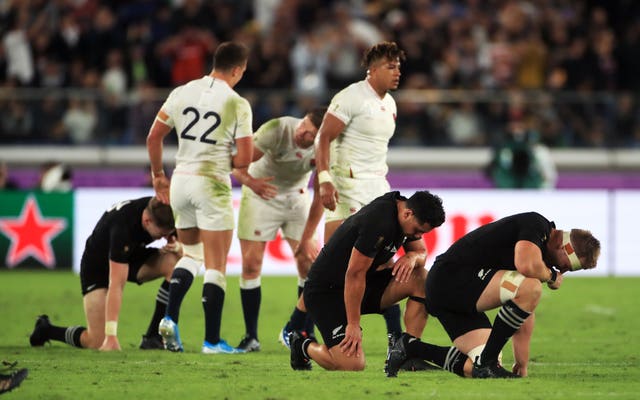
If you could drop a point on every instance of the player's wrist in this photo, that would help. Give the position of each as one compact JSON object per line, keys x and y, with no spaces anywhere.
{"x":157,"y":174}
{"x":553,"y":278}
{"x":111,"y":328}
{"x":324,"y":177}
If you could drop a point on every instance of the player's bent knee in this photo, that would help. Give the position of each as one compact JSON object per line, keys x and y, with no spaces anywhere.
{"x":531,"y":289}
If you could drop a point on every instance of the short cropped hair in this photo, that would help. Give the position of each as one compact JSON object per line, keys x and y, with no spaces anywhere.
{"x":427,"y":207}
{"x":229,"y":55}
{"x":586,"y":246}
{"x":382,"y":51}
{"x":316,"y":115}
{"x":161,"y":213}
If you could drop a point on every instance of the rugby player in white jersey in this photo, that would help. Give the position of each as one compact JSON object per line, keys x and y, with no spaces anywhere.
{"x":351,"y":155}
{"x":210,"y":118}
{"x":283,"y":152}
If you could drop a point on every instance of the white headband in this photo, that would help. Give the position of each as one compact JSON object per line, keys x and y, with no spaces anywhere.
{"x":568,"y":248}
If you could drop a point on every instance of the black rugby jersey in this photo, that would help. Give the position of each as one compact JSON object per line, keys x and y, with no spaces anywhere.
{"x":493,"y":245}
{"x":119,"y":232}
{"x":374,"y":231}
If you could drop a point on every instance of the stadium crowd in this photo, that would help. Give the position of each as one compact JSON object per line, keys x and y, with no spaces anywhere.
{"x":563,"y":70}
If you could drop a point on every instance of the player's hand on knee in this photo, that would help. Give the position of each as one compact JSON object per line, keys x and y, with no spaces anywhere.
{"x":351,"y":345}
{"x":402,"y":269}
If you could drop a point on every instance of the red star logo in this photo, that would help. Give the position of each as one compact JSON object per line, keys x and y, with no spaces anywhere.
{"x":31,"y":235}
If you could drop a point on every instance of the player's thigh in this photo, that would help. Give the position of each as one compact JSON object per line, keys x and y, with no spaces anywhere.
{"x":472,"y":339}
{"x":327,"y":310}
{"x":396,"y":291}
{"x":94,"y":308}
{"x":295,"y":214}
{"x":157,"y":264}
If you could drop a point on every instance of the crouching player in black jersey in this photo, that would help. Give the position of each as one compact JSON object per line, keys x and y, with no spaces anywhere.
{"x":499,"y":265}
{"x":117,"y":252}
{"x":350,"y":277}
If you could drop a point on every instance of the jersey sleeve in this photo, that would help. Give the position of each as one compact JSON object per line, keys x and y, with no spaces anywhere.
{"x":342,"y":107}
{"x":534,"y":228}
{"x":371,"y":236}
{"x":169,"y":106}
{"x":120,"y":247}
{"x":266,"y":137}
{"x":244,"y":127}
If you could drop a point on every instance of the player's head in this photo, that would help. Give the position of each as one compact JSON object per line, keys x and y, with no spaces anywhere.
{"x":382,"y":62}
{"x":158,"y":219}
{"x":578,"y":249}
{"x":230,"y":59}
{"x":424,"y":212}
{"x":308,"y":128}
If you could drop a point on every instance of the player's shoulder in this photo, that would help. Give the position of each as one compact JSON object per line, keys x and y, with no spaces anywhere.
{"x":355,"y":89}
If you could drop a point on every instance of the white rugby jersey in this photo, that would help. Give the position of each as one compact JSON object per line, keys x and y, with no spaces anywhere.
{"x":360,"y":151}
{"x":208,"y":116}
{"x":289,"y":164}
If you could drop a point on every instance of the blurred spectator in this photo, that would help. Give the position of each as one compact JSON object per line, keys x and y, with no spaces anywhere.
{"x":464,"y":127}
{"x":6,"y":183}
{"x":80,"y":120}
{"x":521,"y":162}
{"x":17,"y":48}
{"x":17,"y":122}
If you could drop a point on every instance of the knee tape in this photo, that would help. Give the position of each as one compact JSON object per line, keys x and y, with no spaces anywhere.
{"x":189,"y":264}
{"x":216,"y":277}
{"x":195,"y":251}
{"x":250,"y":283}
{"x":509,"y":285}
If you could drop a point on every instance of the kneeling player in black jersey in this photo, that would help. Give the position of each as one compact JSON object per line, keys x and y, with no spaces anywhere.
{"x":350,"y":277}
{"x":117,"y":252}
{"x":499,"y":265}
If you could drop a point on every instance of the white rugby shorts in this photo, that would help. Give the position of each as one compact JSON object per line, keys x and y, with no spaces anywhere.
{"x":201,"y":201}
{"x":259,"y":220}
{"x":353,"y":194}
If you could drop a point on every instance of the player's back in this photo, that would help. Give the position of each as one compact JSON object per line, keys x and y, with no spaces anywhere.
{"x":208,"y":116}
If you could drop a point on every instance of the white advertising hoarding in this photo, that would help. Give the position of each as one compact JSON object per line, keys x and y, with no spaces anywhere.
{"x":466,"y":209}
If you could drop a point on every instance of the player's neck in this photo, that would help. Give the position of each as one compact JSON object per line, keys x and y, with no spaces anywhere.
{"x":217,"y":75}
{"x":380,"y":91}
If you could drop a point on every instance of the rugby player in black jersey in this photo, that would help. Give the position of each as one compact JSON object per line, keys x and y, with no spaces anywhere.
{"x":350,"y":277}
{"x":117,"y":252}
{"x":499,"y":265}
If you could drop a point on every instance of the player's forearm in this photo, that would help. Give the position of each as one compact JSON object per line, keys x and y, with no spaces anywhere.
{"x":354,"y":287}
{"x":114,"y":302}
{"x":315,"y":215}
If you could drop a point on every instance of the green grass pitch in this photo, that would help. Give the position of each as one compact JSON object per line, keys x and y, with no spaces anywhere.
{"x":586,"y":345}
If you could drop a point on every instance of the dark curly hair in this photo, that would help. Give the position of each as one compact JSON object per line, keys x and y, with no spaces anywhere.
{"x":382,"y":51}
